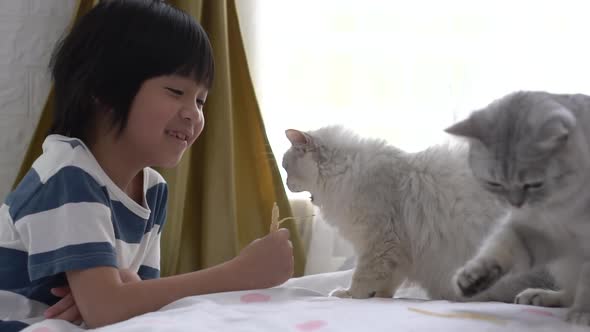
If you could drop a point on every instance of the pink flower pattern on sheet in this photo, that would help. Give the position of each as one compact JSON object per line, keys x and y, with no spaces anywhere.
{"x":43,"y":329}
{"x":311,"y":325}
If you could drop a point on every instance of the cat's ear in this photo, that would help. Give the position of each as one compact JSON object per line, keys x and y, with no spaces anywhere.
{"x":556,"y":130}
{"x":466,"y":128}
{"x":297,"y":137}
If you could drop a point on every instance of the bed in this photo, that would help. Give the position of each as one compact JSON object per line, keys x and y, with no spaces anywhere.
{"x":302,"y":304}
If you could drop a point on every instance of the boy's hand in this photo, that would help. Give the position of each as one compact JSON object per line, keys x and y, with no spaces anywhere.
{"x":66,"y":308}
{"x":266,"y":262}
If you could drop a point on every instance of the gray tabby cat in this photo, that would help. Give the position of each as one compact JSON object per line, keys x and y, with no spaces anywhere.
{"x":531,"y":149}
{"x":415,"y":216}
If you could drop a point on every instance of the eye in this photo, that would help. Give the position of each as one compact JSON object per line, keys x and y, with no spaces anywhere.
{"x":533,"y":185}
{"x":493,"y":184}
{"x":175,"y":91}
{"x":201,"y":102}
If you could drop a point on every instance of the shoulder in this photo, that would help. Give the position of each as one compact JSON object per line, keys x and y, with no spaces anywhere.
{"x":157,"y":189}
{"x":62,"y":174}
{"x":156,"y":195}
{"x":154,"y":178}
{"x":61,"y":153}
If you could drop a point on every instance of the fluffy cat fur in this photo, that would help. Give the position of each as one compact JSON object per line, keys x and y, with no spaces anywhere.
{"x":418,"y":216}
{"x":531,"y":149}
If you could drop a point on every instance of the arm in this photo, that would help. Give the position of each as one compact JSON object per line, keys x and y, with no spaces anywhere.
{"x":103,"y":298}
{"x":67,"y":309}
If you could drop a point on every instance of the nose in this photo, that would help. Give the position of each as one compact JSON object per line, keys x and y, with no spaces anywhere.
{"x":516,"y":197}
{"x":193,"y":113}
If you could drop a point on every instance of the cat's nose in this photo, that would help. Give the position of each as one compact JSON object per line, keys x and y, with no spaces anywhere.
{"x":516,"y":197}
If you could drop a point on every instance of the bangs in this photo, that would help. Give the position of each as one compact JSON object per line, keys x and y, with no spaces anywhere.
{"x":173,"y":43}
{"x":195,"y":58}
{"x":186,"y":50}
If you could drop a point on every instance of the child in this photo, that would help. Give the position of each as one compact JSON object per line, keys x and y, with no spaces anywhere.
{"x":131,"y":79}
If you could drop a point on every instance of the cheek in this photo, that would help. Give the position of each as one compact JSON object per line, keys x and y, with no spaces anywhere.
{"x":308,"y":171}
{"x":139,"y":130}
{"x":501,"y":194}
{"x":294,"y":171}
{"x":150,"y":119}
{"x":536,"y":196}
{"x":289,"y":162}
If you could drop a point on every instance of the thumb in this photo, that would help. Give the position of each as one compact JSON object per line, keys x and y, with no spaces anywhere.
{"x":283,"y":234}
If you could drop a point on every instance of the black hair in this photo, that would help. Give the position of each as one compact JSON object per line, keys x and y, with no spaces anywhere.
{"x":112,"y":50}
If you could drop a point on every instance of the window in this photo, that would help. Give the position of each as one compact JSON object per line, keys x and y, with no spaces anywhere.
{"x":402,"y":70}
{"x":405,"y":70}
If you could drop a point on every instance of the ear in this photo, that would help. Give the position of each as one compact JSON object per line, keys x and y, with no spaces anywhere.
{"x":465,"y":128}
{"x":556,"y":130}
{"x":297,"y":137}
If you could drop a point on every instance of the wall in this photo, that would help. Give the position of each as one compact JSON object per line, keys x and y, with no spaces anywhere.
{"x":28,"y":31}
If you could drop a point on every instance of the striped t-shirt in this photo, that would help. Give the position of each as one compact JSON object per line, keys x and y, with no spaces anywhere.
{"x":67,"y":214}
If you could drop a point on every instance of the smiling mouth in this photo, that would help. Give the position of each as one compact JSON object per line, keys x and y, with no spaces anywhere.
{"x":176,"y":134}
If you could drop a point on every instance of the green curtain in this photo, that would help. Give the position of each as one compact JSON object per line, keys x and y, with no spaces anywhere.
{"x":221,"y":194}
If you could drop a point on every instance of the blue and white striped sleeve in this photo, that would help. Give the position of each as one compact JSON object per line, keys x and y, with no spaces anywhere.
{"x":157,"y":197}
{"x":64,"y":222}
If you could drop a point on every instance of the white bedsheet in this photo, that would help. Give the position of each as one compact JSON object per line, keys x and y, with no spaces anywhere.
{"x":302,"y":304}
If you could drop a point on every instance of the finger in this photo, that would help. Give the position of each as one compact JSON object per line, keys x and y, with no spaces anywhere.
{"x":282,"y":233}
{"x":71,"y":314}
{"x":60,"y":291}
{"x":78,"y":320}
{"x":61,"y":306}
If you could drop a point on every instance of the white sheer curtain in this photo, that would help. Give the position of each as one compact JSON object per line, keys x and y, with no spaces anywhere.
{"x":404,"y":70}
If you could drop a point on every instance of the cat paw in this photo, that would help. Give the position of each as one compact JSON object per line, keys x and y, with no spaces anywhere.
{"x":476,"y":276}
{"x":353,"y":293}
{"x":342,"y":293}
{"x":540,"y":297}
{"x":578,"y":317}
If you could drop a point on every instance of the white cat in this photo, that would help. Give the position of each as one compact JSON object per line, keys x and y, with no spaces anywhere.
{"x":532,"y":149}
{"x":418,"y":216}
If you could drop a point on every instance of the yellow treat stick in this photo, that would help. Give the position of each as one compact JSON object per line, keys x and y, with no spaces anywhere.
{"x":466,"y":315}
{"x":274,"y":221}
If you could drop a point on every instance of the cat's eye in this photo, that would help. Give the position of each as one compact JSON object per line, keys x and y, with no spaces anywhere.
{"x":533,"y":185}
{"x":493,"y":184}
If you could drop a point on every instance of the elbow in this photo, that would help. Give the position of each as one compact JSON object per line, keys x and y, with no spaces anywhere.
{"x":95,"y":320}
{"x":101,"y":313}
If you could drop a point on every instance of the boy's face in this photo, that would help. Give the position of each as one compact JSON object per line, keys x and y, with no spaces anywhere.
{"x":165,"y":118}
